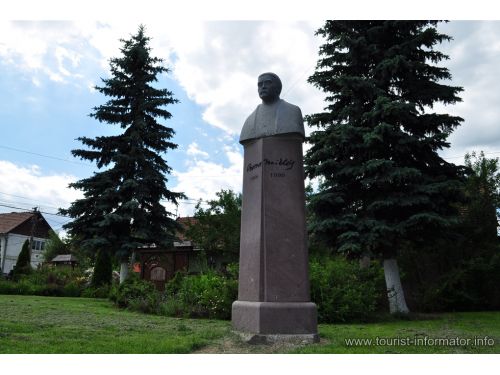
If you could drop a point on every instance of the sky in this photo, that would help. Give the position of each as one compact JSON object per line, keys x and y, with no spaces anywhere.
{"x":49,"y":68}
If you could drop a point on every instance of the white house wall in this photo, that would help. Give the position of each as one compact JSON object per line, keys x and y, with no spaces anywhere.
{"x":14,"y":245}
{"x":2,"y":251}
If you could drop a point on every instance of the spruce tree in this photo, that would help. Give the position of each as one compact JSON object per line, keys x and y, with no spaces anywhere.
{"x":383,"y":185}
{"x":23,"y":263}
{"x":121,"y":207}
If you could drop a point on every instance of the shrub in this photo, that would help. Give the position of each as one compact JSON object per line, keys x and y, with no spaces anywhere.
{"x":9,"y":287}
{"x":72,"y":289}
{"x":208,"y":295}
{"x":174,"y":307}
{"x":136,"y":294}
{"x":473,"y":286}
{"x":343,"y":291}
{"x":47,"y":281}
{"x":101,"y":292}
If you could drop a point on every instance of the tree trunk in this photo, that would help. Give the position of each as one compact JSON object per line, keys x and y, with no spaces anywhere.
{"x":395,"y":293}
{"x":123,"y":271}
{"x":364,"y":262}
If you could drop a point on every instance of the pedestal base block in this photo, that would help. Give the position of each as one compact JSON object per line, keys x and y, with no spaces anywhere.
{"x":276,"y":320}
{"x":261,"y":339}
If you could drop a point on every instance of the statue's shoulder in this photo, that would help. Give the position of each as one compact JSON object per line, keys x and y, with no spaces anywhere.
{"x":291,"y":110}
{"x":289,"y":105}
{"x":248,"y":130}
{"x":251,"y":117}
{"x":290,"y":119}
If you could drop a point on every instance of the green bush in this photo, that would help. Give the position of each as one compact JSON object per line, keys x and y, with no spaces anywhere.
{"x":343,"y":291}
{"x":174,"y":307}
{"x":47,"y":281}
{"x":10,"y":287}
{"x":209,"y":295}
{"x":471,"y":287}
{"x":138,"y":295}
{"x":101,"y":292}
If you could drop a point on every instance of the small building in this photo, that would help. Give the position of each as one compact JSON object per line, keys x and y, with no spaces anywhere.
{"x":65,"y":260}
{"x":15,"y":229}
{"x":160,"y":264}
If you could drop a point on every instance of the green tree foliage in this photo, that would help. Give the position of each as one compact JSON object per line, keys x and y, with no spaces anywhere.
{"x":343,"y":291}
{"x":216,"y":228}
{"x":462,"y":270}
{"x":376,"y":147}
{"x":23,"y":263}
{"x":121,"y":207}
{"x":102,"y":270}
{"x":54,"y":246}
{"x":483,"y":193}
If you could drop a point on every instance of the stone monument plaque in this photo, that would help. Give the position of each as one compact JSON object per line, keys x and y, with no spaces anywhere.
{"x":273,"y":296}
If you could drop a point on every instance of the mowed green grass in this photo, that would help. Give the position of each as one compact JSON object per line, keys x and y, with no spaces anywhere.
{"x":32,"y":324}
{"x":445,"y":333}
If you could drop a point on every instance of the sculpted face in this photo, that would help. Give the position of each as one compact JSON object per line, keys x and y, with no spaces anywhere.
{"x":269,"y":88}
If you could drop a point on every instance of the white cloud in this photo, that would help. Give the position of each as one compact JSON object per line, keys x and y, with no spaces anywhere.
{"x":204,"y":178}
{"x":26,"y":187}
{"x":194,"y":150}
{"x":217,"y":64}
{"x":221,"y":72}
{"x":41,"y":48}
{"x":474,"y":54}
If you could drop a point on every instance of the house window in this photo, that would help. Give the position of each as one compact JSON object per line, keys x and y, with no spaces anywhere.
{"x":38,"y":245}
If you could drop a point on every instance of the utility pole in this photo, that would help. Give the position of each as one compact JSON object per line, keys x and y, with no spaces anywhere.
{"x":34,"y":219}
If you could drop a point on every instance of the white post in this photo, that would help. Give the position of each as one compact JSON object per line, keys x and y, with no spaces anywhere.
{"x":397,"y":303}
{"x":3,"y":252}
{"x":123,"y":271}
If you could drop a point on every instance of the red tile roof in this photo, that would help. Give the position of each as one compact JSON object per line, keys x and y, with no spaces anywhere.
{"x":187,"y":219}
{"x":11,"y":220}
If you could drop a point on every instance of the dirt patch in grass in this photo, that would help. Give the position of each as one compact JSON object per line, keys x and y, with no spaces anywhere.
{"x":234,"y":344}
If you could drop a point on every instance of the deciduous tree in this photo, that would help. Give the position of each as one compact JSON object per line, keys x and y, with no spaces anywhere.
{"x":216,"y":229}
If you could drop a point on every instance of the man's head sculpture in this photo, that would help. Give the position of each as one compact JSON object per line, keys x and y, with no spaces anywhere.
{"x":273,"y":116}
{"x":269,"y":87}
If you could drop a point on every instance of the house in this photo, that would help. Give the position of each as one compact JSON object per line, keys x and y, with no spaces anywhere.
{"x":65,"y":260}
{"x":15,"y":229}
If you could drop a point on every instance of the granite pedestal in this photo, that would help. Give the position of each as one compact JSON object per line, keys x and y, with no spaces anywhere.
{"x":273,"y":296}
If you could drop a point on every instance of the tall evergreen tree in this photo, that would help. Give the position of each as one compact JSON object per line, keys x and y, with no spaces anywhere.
{"x":121,"y":207}
{"x":23,"y":263}
{"x":383,"y":185}
{"x":103,"y":269}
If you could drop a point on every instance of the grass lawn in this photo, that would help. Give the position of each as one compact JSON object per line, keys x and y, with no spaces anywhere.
{"x":32,"y":324}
